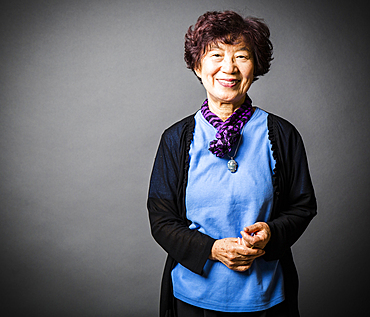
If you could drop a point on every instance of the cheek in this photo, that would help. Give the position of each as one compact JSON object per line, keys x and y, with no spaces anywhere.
{"x":209,"y":69}
{"x":208,"y":72}
{"x":251,"y":72}
{"x":248,"y":70}
{"x":249,"y":75}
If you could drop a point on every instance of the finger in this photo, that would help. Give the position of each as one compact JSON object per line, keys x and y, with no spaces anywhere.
{"x":253,"y":228}
{"x":248,"y":240}
{"x":249,"y":252}
{"x":259,"y":236}
{"x":239,"y":262}
{"x":242,"y":242}
{"x":241,"y":268}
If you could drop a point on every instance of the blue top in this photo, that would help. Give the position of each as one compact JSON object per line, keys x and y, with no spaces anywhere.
{"x":220,"y":204}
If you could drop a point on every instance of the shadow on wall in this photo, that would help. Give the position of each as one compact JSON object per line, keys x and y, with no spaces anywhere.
{"x":87,"y":89}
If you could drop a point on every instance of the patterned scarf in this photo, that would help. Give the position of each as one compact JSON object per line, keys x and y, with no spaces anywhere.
{"x":228,"y":131}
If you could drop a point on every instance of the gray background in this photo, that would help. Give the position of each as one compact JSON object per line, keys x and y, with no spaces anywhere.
{"x":86,"y":89}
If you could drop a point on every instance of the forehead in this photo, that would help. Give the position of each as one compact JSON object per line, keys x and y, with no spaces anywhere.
{"x":238,"y":46}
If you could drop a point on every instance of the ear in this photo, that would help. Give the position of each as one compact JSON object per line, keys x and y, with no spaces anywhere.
{"x":198,"y":71}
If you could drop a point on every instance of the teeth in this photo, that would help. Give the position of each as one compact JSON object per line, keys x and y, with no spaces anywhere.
{"x":228,"y":81}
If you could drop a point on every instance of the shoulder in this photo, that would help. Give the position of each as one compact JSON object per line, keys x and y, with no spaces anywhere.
{"x":180,"y":125}
{"x":281,"y":129}
{"x":281,"y":124}
{"x":176,"y":131}
{"x":177,"y":137}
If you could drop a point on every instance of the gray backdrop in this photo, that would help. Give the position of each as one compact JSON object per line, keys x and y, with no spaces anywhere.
{"x":87,"y":87}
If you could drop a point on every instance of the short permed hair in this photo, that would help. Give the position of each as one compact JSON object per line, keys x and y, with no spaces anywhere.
{"x":228,"y":27}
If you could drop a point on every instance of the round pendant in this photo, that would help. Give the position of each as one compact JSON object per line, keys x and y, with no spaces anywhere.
{"x":232,"y":165}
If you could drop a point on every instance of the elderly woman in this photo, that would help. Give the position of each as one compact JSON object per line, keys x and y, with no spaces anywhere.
{"x":230,"y":190}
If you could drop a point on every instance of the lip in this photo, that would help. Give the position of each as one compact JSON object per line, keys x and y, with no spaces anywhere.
{"x":228,"y":83}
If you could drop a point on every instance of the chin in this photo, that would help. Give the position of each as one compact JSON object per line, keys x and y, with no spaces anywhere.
{"x":232,"y":99}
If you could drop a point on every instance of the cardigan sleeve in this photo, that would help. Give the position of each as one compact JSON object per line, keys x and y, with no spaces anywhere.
{"x":295,"y":202}
{"x":166,"y":205}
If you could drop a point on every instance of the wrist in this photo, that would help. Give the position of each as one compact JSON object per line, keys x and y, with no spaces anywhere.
{"x":212,"y":255}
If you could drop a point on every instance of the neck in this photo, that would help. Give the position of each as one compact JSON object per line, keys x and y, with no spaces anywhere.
{"x":223,"y":110}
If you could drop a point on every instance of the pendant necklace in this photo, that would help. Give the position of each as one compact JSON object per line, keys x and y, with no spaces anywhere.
{"x":232,"y":165}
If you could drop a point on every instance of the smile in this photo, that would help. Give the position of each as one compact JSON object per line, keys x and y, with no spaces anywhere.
{"x":229,"y":83}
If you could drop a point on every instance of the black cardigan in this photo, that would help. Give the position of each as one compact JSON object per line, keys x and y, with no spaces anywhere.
{"x":293,"y":208}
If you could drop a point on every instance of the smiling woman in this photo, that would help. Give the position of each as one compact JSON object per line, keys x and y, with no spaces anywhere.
{"x":213,"y":28}
{"x":226,"y":222}
{"x":226,"y":72}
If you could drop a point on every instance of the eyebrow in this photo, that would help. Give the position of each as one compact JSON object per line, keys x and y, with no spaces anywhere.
{"x":244,"y":48}
{"x":215,"y":46}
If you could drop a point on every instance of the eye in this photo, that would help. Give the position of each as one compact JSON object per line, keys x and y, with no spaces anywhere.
{"x":243,"y":56}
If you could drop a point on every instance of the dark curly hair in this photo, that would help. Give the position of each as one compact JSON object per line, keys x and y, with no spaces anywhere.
{"x":228,"y":27}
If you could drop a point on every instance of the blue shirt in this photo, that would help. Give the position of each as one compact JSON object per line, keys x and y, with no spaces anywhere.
{"x":220,"y":204}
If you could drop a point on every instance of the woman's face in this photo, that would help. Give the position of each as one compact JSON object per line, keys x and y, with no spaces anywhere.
{"x":227,"y":73}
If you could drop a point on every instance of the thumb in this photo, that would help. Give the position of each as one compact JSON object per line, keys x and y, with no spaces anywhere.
{"x":252,"y":228}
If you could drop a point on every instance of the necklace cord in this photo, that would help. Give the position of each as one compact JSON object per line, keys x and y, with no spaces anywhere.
{"x":237,"y":146}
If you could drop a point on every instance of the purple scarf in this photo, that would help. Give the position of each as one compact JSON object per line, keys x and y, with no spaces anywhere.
{"x":228,"y":131}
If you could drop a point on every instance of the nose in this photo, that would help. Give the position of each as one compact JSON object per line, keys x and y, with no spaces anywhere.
{"x":228,"y":65}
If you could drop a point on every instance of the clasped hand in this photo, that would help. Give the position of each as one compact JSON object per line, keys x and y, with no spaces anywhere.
{"x":238,"y":254}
